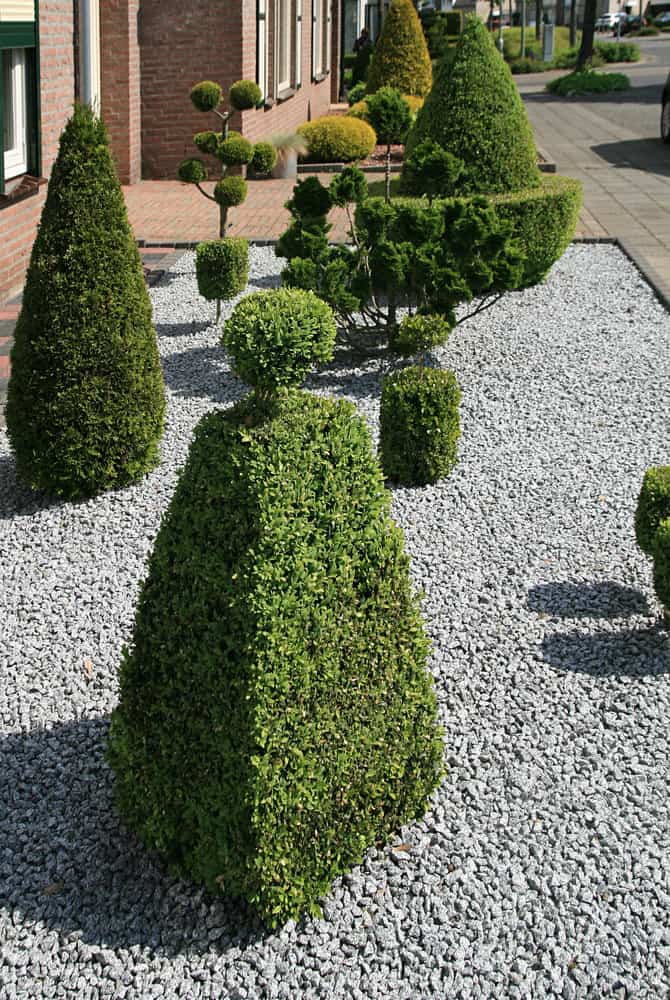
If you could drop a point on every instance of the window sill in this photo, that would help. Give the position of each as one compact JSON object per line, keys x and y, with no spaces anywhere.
{"x":319,"y":77}
{"x":21,"y":188}
{"x":285,"y":95}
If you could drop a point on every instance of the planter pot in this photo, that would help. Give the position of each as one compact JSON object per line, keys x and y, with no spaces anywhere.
{"x":286,"y":165}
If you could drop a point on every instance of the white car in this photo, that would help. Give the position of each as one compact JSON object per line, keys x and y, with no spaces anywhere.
{"x":606,"y":22}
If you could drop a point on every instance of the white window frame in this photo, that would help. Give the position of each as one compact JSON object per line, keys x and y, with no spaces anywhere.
{"x":284,"y":24}
{"x":16,"y":158}
{"x":262,"y":48}
{"x":317,"y":37}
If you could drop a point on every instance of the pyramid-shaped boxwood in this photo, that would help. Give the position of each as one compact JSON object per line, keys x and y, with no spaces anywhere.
{"x":400,"y":58}
{"x":474,"y":111}
{"x":85,"y":400}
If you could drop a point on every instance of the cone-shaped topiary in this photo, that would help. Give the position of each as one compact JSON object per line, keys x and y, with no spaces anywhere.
{"x":85,"y":401}
{"x":400,"y":58}
{"x":475,"y":112}
{"x":276,"y":715}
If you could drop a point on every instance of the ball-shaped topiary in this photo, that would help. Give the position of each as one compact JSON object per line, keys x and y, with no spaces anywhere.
{"x":207,"y":142}
{"x":192,"y":171}
{"x":336,"y":139}
{"x":235,"y":150}
{"x":275,"y":337}
{"x":244,"y":94}
{"x":264,"y":158}
{"x":310,"y":200}
{"x":419,"y":333}
{"x":431,"y":170}
{"x":206,"y":96}
{"x":653,"y":506}
{"x":419,"y":425}
{"x":474,"y":111}
{"x":661,"y":554}
{"x":276,"y":715}
{"x":230,"y":191}
{"x":389,"y":115}
{"x":400,"y":58}
{"x":222,"y":267}
{"x":85,"y":400}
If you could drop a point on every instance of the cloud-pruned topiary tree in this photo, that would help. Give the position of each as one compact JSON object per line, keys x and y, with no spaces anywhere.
{"x":276,"y":714}
{"x":475,"y":112}
{"x":400,"y":58}
{"x":85,"y":400}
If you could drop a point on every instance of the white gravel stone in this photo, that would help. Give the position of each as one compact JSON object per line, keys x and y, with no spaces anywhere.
{"x":542,"y":868}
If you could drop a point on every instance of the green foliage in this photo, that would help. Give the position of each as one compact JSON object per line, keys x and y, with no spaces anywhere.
{"x":441,"y":29}
{"x":264,"y":158}
{"x":85,"y":400}
{"x":400,"y":58}
{"x":587,"y":81}
{"x":275,"y":337}
{"x":419,"y":425}
{"x":356,"y":93}
{"x":615,"y":52}
{"x":431,"y":170}
{"x":207,"y":142}
{"x":192,"y":171}
{"x":653,"y":506}
{"x":661,"y":554}
{"x":406,"y":253}
{"x":646,"y":29}
{"x":235,"y":150}
{"x":543,"y":221}
{"x":528,"y":65}
{"x":419,"y":333}
{"x":206,"y":96}
{"x":454,"y":21}
{"x":360,"y":109}
{"x":337,"y":139}
{"x":350,"y":185}
{"x":311,"y":200}
{"x":230,"y":191}
{"x":244,"y":94}
{"x":474,"y":111}
{"x":389,"y":115}
{"x":512,"y":42}
{"x":222,"y":267}
{"x":276,"y":715}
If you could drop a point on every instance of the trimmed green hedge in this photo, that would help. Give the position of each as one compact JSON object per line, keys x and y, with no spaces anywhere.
{"x":419,"y":425}
{"x":653,"y":506}
{"x":276,"y":715}
{"x":475,"y":112}
{"x":337,"y":139}
{"x":587,"y":81}
{"x":85,"y":400}
{"x":661,"y":554}
{"x":544,"y":220}
{"x":222,"y":267}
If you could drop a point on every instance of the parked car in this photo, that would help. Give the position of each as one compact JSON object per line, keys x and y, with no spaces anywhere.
{"x":606,"y":22}
{"x":631,"y":22}
{"x":663,"y":19}
{"x":665,"y":112}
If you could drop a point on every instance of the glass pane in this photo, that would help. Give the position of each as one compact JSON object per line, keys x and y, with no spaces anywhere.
{"x":9,"y":100}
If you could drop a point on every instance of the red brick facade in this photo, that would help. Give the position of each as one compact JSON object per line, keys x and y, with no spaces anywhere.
{"x":120,"y":84}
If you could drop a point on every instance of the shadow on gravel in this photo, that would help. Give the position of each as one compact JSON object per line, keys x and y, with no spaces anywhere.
{"x":17,"y":499}
{"x":264,"y":281}
{"x":570,"y":599}
{"x":627,"y":653}
{"x":202,"y":373}
{"x":650,"y":155}
{"x":182,"y":329}
{"x":66,"y":861}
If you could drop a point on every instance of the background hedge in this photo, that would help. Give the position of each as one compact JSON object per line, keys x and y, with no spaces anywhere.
{"x":400,"y":58}
{"x":85,"y":400}
{"x":276,"y":715}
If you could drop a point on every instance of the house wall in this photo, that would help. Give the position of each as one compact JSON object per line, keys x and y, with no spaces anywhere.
{"x":120,"y":85}
{"x":18,"y":219}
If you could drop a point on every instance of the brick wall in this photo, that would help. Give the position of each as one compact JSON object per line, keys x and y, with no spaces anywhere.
{"x":120,"y":84}
{"x":18,"y":220}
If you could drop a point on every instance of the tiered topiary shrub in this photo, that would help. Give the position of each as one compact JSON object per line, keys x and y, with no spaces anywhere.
{"x":276,"y":716}
{"x":222,"y":268}
{"x":652,"y":529}
{"x":400,"y":58}
{"x":85,"y":400}
{"x":337,"y":139}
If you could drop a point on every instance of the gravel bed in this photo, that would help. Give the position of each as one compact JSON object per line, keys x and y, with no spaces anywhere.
{"x":543,"y":865}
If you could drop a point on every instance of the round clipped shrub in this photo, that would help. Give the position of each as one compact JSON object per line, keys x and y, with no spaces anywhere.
{"x":400,"y":57}
{"x":85,"y":398}
{"x":419,"y":425}
{"x":389,"y":115}
{"x":244,"y":94}
{"x":192,"y":171}
{"x":587,"y":81}
{"x":337,"y":139}
{"x":235,"y":150}
{"x":310,"y":200}
{"x":419,"y":333}
{"x":431,"y":170}
{"x":661,"y":554}
{"x":356,"y":93}
{"x":206,"y":96}
{"x":222,"y":267}
{"x":543,"y":221}
{"x":275,"y":337}
{"x":230,"y":191}
{"x":653,"y":506}
{"x":264,"y":158}
{"x":474,"y":111}
{"x":360,"y":108}
{"x":276,"y":715}
{"x":207,"y":142}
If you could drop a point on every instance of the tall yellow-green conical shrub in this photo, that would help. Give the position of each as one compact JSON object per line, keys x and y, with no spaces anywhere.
{"x":401,"y":58}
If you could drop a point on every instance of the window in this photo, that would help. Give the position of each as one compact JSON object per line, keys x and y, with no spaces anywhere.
{"x":14,"y":112}
{"x":283,"y":45}
{"x":320,"y":38}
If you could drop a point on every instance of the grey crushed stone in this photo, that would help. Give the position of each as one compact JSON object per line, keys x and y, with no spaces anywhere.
{"x":542,"y":868}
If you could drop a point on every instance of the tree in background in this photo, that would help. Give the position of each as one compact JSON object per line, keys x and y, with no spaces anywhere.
{"x":588,"y":32}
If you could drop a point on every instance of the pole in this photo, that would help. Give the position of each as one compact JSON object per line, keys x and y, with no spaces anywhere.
{"x":523,"y":28}
{"x":500,"y":38}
